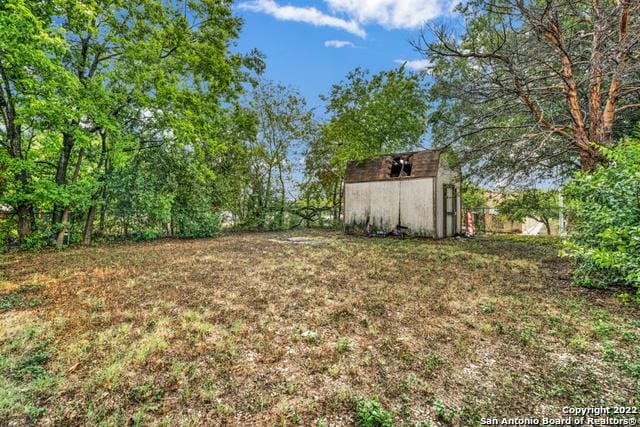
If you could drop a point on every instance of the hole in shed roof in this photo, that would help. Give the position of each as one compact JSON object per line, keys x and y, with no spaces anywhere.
{"x":400,"y":166}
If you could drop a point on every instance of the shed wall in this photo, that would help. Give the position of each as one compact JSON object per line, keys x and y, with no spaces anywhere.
{"x":416,"y":206}
{"x":381,"y":205}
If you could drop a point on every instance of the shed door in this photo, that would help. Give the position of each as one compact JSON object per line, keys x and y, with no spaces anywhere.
{"x":450,"y":210}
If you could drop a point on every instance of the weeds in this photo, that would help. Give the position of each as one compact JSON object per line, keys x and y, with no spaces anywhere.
{"x":432,"y":363}
{"x":20,"y":298}
{"x":443,"y":413}
{"x":370,"y":413}
{"x":343,"y":345}
{"x":25,"y":381}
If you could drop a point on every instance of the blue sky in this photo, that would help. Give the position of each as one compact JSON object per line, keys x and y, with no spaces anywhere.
{"x":312,"y":45}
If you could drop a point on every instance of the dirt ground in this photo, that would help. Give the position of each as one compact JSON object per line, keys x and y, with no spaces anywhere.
{"x":297,"y":328}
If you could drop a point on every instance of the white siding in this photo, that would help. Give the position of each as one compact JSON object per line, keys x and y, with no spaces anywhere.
{"x":381,"y":205}
{"x":416,"y":206}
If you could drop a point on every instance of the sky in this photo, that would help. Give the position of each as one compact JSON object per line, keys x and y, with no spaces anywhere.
{"x":312,"y":45}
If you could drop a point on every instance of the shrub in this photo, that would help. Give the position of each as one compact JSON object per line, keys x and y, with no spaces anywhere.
{"x":196,"y":221}
{"x":145,"y":235}
{"x":605,"y":207}
{"x":372,"y":414}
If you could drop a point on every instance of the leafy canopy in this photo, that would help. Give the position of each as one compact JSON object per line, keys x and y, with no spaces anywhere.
{"x":526,"y":90}
{"x":371,"y":115}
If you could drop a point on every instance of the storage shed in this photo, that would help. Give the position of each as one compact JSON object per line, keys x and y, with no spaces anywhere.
{"x":415,"y":193}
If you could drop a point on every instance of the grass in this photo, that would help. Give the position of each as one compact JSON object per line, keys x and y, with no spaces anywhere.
{"x":250,"y":329}
{"x":20,"y":298}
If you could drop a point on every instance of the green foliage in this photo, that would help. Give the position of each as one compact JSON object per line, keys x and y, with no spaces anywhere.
{"x":377,"y":114}
{"x":196,"y":221}
{"x":370,"y":413}
{"x":443,"y":413}
{"x":122,"y":111}
{"x":496,"y":103}
{"x":605,"y":208}
{"x":284,"y":123}
{"x":473,"y":197}
{"x":432,"y":363}
{"x":343,"y":345}
{"x":541,"y":205}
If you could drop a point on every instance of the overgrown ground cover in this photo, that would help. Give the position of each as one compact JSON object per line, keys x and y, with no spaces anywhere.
{"x":256,"y":329}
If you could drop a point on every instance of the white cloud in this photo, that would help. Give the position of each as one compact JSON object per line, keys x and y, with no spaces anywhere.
{"x":405,"y":14}
{"x":309,"y":15}
{"x":415,"y":64}
{"x":338,"y":44}
{"x":352,"y":15}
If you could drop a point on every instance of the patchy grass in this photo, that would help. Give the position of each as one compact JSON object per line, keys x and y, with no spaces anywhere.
{"x":261,"y":329}
{"x":20,"y":298}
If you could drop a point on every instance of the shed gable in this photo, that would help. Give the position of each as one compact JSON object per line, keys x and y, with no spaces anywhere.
{"x":423,"y":164}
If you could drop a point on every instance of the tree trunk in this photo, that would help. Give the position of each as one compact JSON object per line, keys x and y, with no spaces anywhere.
{"x":282,"y":197}
{"x":24,"y":210}
{"x":64,"y":219}
{"x":548,"y":226}
{"x":103,"y":212}
{"x":267,"y":191}
{"x":13,"y":134}
{"x":340,"y":198}
{"x":24,"y":222}
{"x":336,"y":209}
{"x":63,"y":227}
{"x":87,"y":233}
{"x":61,"y":172}
{"x":590,"y":159}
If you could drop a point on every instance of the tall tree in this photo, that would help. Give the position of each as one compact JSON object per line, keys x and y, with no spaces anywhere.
{"x":94,"y":93}
{"x":284,"y":123}
{"x":368,"y":115}
{"x":532,"y":87}
{"x":33,"y":87}
{"x":376,"y":114}
{"x":161,"y":73}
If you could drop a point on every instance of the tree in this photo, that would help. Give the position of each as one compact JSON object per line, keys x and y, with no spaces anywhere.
{"x":321,"y":189}
{"x":156,"y":70}
{"x":605,"y":206}
{"x":368,"y":116}
{"x":541,"y":205}
{"x":532,"y":88}
{"x":33,"y":87}
{"x":96,"y":94}
{"x":284,"y":122}
{"x":473,"y":197}
{"x":383,"y":113}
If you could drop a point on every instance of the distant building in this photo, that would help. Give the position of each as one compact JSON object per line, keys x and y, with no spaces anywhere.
{"x":489,"y":220}
{"x":414,"y":193}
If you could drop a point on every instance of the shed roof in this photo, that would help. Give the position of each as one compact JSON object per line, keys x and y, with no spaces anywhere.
{"x":424,"y":164}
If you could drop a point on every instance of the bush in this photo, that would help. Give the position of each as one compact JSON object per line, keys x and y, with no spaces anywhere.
{"x":372,"y":414}
{"x":146,"y":235}
{"x":41,"y":236}
{"x":605,"y":210}
{"x":196,"y":221}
